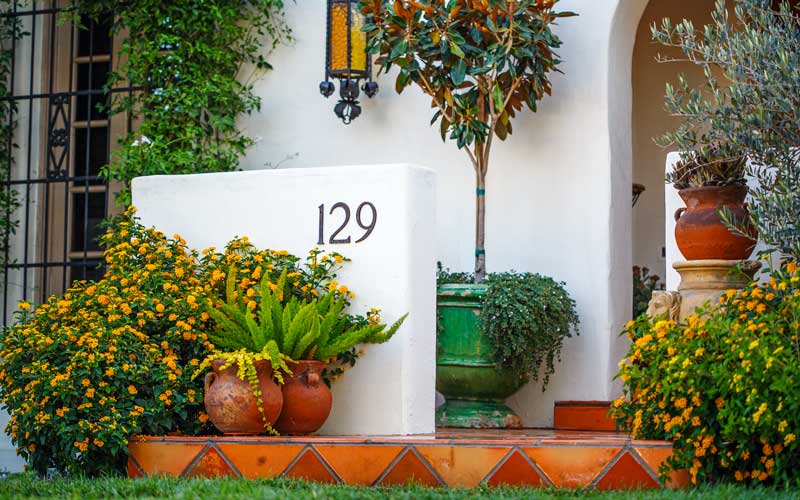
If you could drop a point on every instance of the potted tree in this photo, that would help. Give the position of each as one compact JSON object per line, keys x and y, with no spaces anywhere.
{"x":713,"y":187}
{"x":480,"y":62}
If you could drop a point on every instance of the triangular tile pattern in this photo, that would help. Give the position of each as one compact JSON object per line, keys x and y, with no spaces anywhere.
{"x":133,"y":469}
{"x":211,"y":464}
{"x":654,"y":457}
{"x":311,"y":468}
{"x":516,"y":471}
{"x":571,"y":467}
{"x":462,"y":466}
{"x":409,"y":469}
{"x":360,"y":465}
{"x":627,"y":473}
{"x":169,"y":459}
{"x":259,"y":460}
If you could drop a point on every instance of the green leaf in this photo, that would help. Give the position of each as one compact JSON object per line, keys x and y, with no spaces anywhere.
{"x":458,"y":71}
{"x":499,"y":98}
{"x":456,"y":50}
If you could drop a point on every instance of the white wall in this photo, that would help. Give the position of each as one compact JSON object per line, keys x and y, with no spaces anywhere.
{"x":391,"y":389}
{"x":558,"y":196}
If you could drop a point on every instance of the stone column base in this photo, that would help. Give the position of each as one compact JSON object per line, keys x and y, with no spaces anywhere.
{"x":702,"y":281}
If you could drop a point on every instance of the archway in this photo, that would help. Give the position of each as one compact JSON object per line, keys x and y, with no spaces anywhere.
{"x":635,"y":96}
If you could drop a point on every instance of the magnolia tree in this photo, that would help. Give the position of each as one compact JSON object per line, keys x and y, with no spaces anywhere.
{"x":480,"y":62}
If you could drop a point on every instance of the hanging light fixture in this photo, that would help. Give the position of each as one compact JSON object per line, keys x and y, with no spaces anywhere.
{"x":346,"y":58}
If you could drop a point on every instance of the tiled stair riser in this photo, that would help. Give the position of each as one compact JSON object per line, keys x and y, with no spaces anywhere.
{"x":566,"y":460}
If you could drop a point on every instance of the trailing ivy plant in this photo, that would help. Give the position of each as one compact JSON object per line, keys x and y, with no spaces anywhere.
{"x":526,"y":317}
{"x":480,"y":62}
{"x":186,"y":58}
{"x":10,"y":32}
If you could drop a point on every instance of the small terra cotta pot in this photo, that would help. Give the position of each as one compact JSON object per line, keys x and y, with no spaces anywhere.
{"x":700,"y":232}
{"x":306,"y":399}
{"x":231,"y":405}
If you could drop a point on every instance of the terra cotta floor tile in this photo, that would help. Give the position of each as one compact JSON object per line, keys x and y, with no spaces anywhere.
{"x":260,"y":460}
{"x":211,"y":464}
{"x":410,"y":469}
{"x":311,"y":468}
{"x":516,"y":471}
{"x":626,"y":474}
{"x":169,"y":459}
{"x":464,"y":466}
{"x":571,"y":467}
{"x":359,"y":464}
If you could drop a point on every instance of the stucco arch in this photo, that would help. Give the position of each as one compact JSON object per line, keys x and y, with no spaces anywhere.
{"x":622,"y":39}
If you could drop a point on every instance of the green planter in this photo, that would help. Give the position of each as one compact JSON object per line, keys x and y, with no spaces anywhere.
{"x":466,"y":373}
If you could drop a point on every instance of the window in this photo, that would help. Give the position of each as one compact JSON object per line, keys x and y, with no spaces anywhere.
{"x":65,"y":135}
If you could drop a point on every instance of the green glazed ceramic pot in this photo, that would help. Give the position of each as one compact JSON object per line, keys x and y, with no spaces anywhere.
{"x":466,"y":373}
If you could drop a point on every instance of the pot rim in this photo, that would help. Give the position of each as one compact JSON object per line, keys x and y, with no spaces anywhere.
{"x":217,"y":363}
{"x":705,"y":189}
{"x":313,"y":363}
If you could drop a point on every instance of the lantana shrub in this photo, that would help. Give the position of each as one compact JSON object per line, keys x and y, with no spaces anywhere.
{"x":109,"y":359}
{"x":723,"y":386}
{"x":84,"y":371}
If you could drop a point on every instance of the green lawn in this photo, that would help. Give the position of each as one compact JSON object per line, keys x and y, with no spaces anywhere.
{"x":25,"y":486}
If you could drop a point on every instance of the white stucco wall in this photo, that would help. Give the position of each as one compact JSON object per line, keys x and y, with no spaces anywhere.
{"x":558,"y":189}
{"x":391,"y":389}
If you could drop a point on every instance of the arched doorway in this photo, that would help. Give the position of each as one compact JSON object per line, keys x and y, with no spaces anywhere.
{"x":649,"y":120}
{"x":627,"y":108}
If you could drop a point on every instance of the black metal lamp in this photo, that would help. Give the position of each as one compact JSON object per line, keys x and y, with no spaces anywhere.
{"x":346,"y":58}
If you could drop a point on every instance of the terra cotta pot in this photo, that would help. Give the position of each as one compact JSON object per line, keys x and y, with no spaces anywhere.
{"x":231,"y":405}
{"x":306,"y":399}
{"x":700,"y":232}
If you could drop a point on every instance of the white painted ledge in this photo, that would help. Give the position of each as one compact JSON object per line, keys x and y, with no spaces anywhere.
{"x":390,"y":391}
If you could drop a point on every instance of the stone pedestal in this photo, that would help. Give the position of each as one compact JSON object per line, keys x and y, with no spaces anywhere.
{"x":707,"y":280}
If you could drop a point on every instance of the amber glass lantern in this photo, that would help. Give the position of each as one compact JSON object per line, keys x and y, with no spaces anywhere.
{"x":346,"y":58}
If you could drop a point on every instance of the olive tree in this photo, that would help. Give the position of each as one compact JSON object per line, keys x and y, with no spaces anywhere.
{"x":748,"y":103}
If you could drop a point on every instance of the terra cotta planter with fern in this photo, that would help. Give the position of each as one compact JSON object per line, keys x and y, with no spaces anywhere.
{"x":231,"y":405}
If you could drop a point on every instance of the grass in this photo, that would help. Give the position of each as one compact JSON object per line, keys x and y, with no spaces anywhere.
{"x":27,"y":486}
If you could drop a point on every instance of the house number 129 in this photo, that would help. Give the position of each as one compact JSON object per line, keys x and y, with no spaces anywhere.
{"x":335,"y":239}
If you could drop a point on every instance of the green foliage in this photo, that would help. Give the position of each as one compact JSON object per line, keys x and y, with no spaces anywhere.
{"x":187,"y":57}
{"x":710,"y":168}
{"x":480,"y":62}
{"x":722,"y":386}
{"x":644,"y":284}
{"x":108,"y":359}
{"x":10,"y":32}
{"x":747,"y":105}
{"x":315,"y":329}
{"x":527,"y":317}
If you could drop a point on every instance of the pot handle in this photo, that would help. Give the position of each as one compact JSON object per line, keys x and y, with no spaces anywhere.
{"x":312,"y":378}
{"x":210,"y":378}
{"x":679,"y":212}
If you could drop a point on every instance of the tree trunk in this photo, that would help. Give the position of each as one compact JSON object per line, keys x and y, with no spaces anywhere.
{"x":480,"y":227}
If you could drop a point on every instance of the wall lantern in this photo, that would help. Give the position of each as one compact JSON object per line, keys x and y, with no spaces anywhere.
{"x":346,"y":58}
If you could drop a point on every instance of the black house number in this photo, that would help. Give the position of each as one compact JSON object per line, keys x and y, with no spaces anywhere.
{"x":366,"y":217}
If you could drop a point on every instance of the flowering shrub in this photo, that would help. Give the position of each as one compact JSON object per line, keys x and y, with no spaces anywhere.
{"x":108,"y":359}
{"x":723,"y":386}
